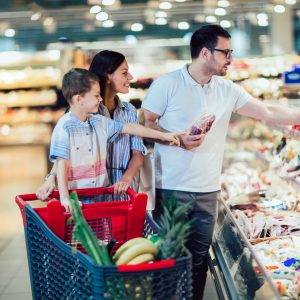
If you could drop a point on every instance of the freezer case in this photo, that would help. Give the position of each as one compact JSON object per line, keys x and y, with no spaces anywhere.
{"x":235,"y":269}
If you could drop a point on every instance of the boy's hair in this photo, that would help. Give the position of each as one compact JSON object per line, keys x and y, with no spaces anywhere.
{"x":206,"y":37}
{"x":77,"y":82}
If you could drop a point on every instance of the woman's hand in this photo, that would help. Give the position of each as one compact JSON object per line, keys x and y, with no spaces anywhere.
{"x":46,"y":188}
{"x":121,"y":186}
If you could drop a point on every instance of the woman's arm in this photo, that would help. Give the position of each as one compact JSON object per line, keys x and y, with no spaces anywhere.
{"x":135,"y":163}
{"x":48,"y":186}
{"x":62,"y":182}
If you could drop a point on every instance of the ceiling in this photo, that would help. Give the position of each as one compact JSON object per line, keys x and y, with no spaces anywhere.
{"x":71,"y":20}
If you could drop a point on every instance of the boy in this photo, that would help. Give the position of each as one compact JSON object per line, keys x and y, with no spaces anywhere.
{"x":79,"y":139}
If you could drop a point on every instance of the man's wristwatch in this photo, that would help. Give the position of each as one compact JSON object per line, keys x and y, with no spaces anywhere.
{"x":50,"y":174}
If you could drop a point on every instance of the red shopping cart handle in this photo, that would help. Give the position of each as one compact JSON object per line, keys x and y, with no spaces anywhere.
{"x":167,"y":263}
{"x":23,"y":199}
{"x":96,"y":191}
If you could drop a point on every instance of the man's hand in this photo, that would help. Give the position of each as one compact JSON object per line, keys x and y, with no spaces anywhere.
{"x":46,"y":188}
{"x":190,"y":142}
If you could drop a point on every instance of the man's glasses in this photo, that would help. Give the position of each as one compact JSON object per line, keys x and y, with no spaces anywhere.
{"x":227,"y":52}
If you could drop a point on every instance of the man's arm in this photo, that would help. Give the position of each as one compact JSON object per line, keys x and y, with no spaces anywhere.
{"x":62,"y":166}
{"x":187,"y":141}
{"x":274,"y":114}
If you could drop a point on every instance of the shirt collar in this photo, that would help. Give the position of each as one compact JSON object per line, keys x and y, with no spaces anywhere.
{"x":187,"y":75}
{"x":77,"y":120}
{"x":190,"y":79}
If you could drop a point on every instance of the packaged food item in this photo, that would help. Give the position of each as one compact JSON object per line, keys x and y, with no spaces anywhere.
{"x":203,"y":126}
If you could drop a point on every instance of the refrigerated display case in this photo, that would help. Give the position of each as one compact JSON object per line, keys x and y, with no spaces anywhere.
{"x":237,"y":270}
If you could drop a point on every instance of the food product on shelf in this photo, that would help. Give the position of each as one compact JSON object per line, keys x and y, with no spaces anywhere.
{"x":29,"y":78}
{"x":28,"y":98}
{"x":281,"y":259}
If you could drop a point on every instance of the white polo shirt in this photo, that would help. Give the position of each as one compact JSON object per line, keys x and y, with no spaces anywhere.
{"x":181,"y":101}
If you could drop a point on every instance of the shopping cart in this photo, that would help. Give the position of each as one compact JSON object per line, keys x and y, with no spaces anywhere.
{"x":60,"y":271}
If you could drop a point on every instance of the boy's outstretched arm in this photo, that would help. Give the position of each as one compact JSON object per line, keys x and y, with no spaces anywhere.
{"x":187,"y":141}
{"x":139,"y":130}
{"x":62,"y":166}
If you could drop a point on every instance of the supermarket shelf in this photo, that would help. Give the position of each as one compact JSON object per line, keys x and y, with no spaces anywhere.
{"x":292,"y":181}
{"x":29,"y":86}
{"x":289,"y":133}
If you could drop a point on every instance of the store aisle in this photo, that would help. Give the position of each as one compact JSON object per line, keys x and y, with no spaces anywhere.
{"x":22,"y":170}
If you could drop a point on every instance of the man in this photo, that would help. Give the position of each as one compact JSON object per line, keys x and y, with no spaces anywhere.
{"x":192,"y":173}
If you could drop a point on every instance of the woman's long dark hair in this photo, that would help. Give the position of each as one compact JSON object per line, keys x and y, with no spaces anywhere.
{"x":104,"y":63}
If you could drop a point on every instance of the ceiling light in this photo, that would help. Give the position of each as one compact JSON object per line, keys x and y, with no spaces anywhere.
{"x":220,"y":11}
{"x":5,"y":129}
{"x":165,"y":5}
{"x":280,"y":9}
{"x":160,"y":14}
{"x":262,"y":16}
{"x":183,"y":25}
{"x":95,"y":9}
{"x":225,"y":23}
{"x":108,"y":2}
{"x":130,"y":39}
{"x":187,"y":37}
{"x":223,"y":3}
{"x":290,"y":2}
{"x":210,"y":19}
{"x":108,"y":24}
{"x":36,"y":16}
{"x":9,"y":32}
{"x":137,"y":27}
{"x":161,"y":21}
{"x":48,"y":21}
{"x":180,"y":0}
{"x":262,"y":22}
{"x":102,"y":16}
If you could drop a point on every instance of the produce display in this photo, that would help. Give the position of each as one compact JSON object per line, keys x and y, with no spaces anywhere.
{"x":284,"y":157}
{"x":264,"y":203}
{"x":281,"y":260}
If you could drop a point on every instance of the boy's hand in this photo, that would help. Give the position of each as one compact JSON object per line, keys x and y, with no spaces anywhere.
{"x":189,"y":142}
{"x":46,"y":188}
{"x":172,"y":138}
{"x":66,"y":203}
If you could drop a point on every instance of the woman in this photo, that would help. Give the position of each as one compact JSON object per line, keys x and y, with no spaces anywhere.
{"x":125,"y":154}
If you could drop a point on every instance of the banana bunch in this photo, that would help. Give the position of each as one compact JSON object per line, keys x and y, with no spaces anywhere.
{"x":135,"y":251}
